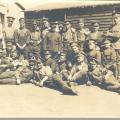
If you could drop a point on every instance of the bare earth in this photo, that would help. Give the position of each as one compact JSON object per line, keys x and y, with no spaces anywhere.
{"x":28,"y":100}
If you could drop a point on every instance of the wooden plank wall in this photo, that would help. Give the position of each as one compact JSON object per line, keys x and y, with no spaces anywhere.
{"x":105,"y":20}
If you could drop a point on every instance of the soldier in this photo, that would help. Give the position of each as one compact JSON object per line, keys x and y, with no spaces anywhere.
{"x":49,"y":61}
{"x":52,"y":80}
{"x":9,"y":48}
{"x":79,"y":71}
{"x":69,"y":36}
{"x":34,"y":45}
{"x":45,"y":28}
{"x":95,"y":34}
{"x":9,"y":31}
{"x":81,"y":33}
{"x":17,"y":71}
{"x":114,"y":32}
{"x":93,"y":51}
{"x":109,"y":55}
{"x":53,"y":41}
{"x":22,"y":38}
{"x":103,"y":77}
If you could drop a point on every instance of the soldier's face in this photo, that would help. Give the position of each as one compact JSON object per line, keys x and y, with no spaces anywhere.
{"x":14,"y":55}
{"x":46,"y":24}
{"x":35,"y":26}
{"x":62,"y":58}
{"x":47,"y":56}
{"x":10,"y":23}
{"x":68,"y":26}
{"x":22,"y":23}
{"x":91,"y":45}
{"x":95,"y":28}
{"x":75,"y":49}
{"x":80,"y":59}
{"x":81,"y":25}
{"x":116,"y":20}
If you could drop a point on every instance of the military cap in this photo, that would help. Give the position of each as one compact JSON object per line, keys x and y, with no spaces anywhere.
{"x":10,"y":18}
{"x":93,"y":62}
{"x":34,"y":22}
{"x":60,"y":25}
{"x":81,"y":54}
{"x":45,"y":19}
{"x":20,"y":19}
{"x":32,"y":59}
{"x":67,"y":22}
{"x":94,"y":23}
{"x":81,"y":20}
{"x":73,"y":44}
{"x":116,"y":15}
{"x":9,"y":43}
{"x":47,"y":52}
{"x":53,"y":23}
{"x":108,"y":39}
{"x":62,"y":54}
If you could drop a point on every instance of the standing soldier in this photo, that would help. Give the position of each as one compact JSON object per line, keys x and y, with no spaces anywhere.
{"x":9,"y":31}
{"x":109,"y":55}
{"x":53,"y":41}
{"x":81,"y":33}
{"x":34,"y":45}
{"x":22,"y":38}
{"x":45,"y":28}
{"x":95,"y":34}
{"x":69,"y":36}
{"x":114,"y":31}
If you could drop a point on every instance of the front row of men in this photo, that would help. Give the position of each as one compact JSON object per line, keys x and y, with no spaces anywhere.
{"x":61,"y":74}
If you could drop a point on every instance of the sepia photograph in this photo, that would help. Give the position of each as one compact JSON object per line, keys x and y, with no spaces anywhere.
{"x":59,"y":59}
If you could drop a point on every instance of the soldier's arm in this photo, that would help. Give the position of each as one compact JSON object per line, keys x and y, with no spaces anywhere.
{"x":60,"y":43}
{"x":98,"y":56}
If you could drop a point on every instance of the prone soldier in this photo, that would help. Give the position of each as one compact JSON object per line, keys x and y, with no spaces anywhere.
{"x":103,"y":77}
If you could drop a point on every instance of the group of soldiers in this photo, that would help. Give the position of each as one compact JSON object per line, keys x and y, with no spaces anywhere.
{"x":58,"y":56}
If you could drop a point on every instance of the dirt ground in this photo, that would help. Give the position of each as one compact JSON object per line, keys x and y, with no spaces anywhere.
{"x":28,"y":100}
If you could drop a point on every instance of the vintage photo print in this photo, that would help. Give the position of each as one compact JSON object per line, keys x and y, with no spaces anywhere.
{"x":60,"y":58}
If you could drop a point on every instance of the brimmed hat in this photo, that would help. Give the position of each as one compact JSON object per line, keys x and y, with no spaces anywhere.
{"x":10,"y":18}
{"x":94,"y":23}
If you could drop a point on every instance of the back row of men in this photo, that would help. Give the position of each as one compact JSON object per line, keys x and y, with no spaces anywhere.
{"x":70,"y":56}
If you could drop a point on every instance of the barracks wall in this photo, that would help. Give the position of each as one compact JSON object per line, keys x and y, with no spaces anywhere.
{"x":102,"y":14}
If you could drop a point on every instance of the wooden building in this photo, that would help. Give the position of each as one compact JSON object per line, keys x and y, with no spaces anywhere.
{"x":101,"y":11}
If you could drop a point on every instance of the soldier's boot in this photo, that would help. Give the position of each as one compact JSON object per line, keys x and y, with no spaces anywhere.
{"x":66,"y":89}
{"x":18,"y":81}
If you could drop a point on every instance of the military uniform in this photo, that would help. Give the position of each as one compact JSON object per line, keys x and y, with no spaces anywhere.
{"x":93,"y":51}
{"x":95,"y":34}
{"x":9,"y":31}
{"x":82,"y":33}
{"x":22,"y":38}
{"x":109,"y":57}
{"x":53,"y":41}
{"x":103,"y":77}
{"x":34,"y":45}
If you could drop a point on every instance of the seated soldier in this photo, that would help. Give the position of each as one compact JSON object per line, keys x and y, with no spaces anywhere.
{"x":45,"y":77}
{"x":9,"y":48}
{"x":16,"y":71}
{"x":103,"y":77}
{"x":79,"y":70}
{"x":109,"y":55}
{"x":49,"y":61}
{"x":93,"y":51}
{"x":64,"y":66}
